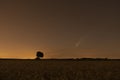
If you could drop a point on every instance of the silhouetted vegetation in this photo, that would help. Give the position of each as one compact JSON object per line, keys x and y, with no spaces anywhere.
{"x":93,"y":59}
{"x":59,"y":69}
{"x":39,"y":55}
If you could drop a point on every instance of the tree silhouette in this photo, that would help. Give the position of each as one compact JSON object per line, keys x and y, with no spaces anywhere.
{"x":39,"y":55}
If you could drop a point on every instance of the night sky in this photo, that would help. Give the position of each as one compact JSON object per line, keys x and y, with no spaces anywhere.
{"x":60,"y":28}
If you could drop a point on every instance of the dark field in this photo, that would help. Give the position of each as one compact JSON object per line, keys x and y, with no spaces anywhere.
{"x":59,"y":70}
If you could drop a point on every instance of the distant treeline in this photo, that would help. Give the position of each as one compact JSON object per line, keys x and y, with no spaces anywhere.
{"x":74,"y":59}
{"x":96,"y":59}
{"x":88,"y":59}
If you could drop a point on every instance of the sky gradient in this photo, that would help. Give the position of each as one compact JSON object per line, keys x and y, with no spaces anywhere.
{"x":60,"y":29}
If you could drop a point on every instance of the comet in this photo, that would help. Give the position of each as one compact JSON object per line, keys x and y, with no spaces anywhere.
{"x":78,"y":43}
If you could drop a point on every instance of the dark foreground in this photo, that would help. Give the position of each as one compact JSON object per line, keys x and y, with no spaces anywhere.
{"x":59,"y":70}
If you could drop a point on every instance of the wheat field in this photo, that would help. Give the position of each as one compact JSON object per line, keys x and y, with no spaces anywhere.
{"x":59,"y":70}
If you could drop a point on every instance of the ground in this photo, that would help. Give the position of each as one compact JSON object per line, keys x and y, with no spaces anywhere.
{"x":59,"y":70}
